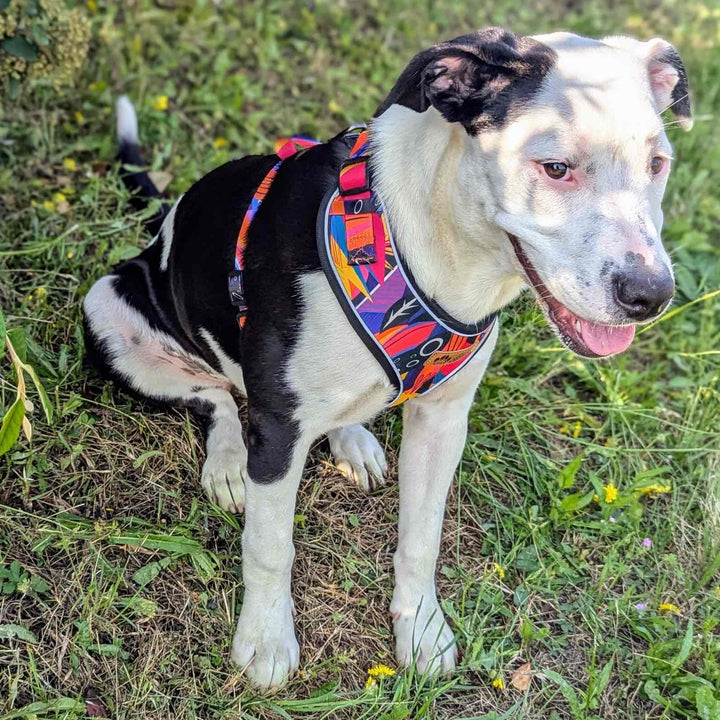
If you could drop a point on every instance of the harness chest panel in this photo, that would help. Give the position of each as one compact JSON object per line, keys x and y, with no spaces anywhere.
{"x":417,"y":344}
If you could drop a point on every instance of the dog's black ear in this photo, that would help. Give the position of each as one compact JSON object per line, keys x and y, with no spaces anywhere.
{"x":474,"y":79}
{"x":669,"y":82}
{"x":666,"y":72}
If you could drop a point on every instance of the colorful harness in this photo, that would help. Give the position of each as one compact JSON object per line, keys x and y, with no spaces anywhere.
{"x":418,"y":345}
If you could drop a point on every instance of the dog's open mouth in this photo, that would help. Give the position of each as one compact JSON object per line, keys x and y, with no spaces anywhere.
{"x":583,"y":337}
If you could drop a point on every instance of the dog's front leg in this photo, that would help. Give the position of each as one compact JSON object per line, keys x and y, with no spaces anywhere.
{"x":264,"y":644}
{"x":434,"y":433}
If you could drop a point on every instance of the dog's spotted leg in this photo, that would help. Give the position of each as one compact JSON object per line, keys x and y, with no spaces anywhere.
{"x":264,"y":645}
{"x":130,"y":343}
{"x":359,"y":456}
{"x":434,"y":433}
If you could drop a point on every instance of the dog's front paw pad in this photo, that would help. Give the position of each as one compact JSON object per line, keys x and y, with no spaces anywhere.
{"x":425,"y":638}
{"x":358,"y":456}
{"x":266,"y":652}
{"x":222,"y":479}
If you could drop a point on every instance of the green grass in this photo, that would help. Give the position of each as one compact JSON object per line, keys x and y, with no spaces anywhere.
{"x":121,"y":583}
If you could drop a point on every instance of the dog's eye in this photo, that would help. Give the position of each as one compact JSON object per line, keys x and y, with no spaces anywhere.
{"x":556,"y":170}
{"x":657,"y":164}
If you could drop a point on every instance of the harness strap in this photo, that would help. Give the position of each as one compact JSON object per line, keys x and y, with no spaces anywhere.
{"x":284,"y":148}
{"x":354,"y":188}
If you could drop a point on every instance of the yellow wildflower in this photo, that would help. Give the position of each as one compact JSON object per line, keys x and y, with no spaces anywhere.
{"x":59,"y":198}
{"x":564,"y":429}
{"x":92,"y":6}
{"x":499,"y":570}
{"x":160,"y":103}
{"x":48,"y":205}
{"x":369,"y":682}
{"x":220,"y":142}
{"x":611,"y":493}
{"x":333,"y":107}
{"x":79,"y":117}
{"x":669,"y":607}
{"x":69,"y":255}
{"x":498,"y":683}
{"x":596,"y":498}
{"x":576,"y":429}
{"x":659,"y":489}
{"x":69,"y":164}
{"x":381,"y":670}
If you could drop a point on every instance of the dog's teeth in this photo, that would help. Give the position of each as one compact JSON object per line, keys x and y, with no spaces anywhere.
{"x":578,"y":327}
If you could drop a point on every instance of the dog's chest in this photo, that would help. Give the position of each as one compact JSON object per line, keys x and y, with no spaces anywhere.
{"x":333,"y":373}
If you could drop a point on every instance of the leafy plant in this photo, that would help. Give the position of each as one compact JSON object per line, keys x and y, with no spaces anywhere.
{"x":40,"y":39}
{"x":16,"y":418}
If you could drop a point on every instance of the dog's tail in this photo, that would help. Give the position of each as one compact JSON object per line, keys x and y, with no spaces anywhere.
{"x":135,"y":179}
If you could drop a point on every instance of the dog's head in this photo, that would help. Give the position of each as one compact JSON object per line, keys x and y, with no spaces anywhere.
{"x":564,"y":137}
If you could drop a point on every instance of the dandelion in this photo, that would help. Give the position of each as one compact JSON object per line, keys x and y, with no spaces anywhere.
{"x":611,"y":493}
{"x":375,"y":673}
{"x":669,"y":607}
{"x":380,"y":671}
{"x":69,"y":164}
{"x":564,"y":429}
{"x":499,"y":570}
{"x":498,"y":683}
{"x":596,"y":498}
{"x":160,"y":103}
{"x":576,"y":429}
{"x":59,"y":198}
{"x":220,"y":142}
{"x":647,"y":542}
{"x":48,"y":205}
{"x":640,"y":606}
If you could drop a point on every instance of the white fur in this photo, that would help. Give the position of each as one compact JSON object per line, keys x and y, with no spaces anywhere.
{"x":359,"y":456}
{"x":166,"y":235}
{"x":230,"y":368}
{"x":434,"y":434}
{"x":264,"y":644}
{"x":126,"y":118}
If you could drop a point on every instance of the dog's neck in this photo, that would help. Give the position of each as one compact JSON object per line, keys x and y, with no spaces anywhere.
{"x":434,"y":203}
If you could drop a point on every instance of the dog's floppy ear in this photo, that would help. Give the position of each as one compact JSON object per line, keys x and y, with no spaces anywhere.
{"x":666,"y":72}
{"x":474,"y":79}
{"x":669,"y":82}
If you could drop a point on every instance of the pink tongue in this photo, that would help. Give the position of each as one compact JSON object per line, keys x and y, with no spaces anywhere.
{"x":605,"y":340}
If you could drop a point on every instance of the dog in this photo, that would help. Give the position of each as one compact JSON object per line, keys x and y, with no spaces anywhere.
{"x":500,"y":163}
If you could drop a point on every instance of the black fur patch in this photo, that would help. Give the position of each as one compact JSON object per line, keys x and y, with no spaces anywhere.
{"x":192,"y":292}
{"x":680,"y":95}
{"x":476,"y":79}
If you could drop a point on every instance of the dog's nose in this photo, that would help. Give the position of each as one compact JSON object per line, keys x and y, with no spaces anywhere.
{"x":643,"y":292}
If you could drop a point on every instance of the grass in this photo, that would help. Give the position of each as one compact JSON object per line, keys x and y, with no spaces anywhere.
{"x":121,"y":583}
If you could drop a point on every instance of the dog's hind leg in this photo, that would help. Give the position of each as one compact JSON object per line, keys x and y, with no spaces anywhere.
{"x":358,"y":455}
{"x":129,"y":341}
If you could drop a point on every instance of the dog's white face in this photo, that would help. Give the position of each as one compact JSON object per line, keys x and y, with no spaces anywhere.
{"x":566,"y":152}
{"x":577,"y":179}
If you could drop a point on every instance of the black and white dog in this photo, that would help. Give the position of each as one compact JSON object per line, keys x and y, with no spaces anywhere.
{"x":502,"y":162}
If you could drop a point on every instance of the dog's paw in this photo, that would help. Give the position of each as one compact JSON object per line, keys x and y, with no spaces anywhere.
{"x":358,"y":456}
{"x":223,"y":478}
{"x":422,"y":636}
{"x":265,"y":648}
